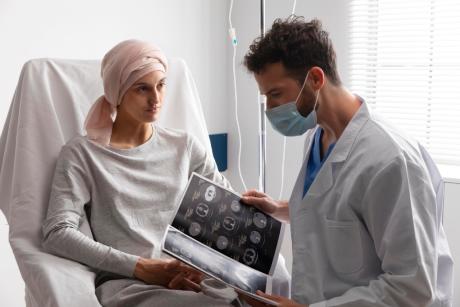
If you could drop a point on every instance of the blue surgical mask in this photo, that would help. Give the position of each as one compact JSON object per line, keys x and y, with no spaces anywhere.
{"x":287,"y":120}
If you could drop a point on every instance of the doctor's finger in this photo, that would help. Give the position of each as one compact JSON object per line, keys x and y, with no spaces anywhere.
{"x":260,"y":203}
{"x":251,"y":301}
{"x":254,"y":193}
{"x":272,"y":297}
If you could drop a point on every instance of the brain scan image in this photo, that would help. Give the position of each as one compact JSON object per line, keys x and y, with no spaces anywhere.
{"x":222,"y":242}
{"x":250,"y":256}
{"x":260,"y":220}
{"x":194,"y":229}
{"x":235,"y":206}
{"x":255,"y":237}
{"x":229,"y":223}
{"x":219,"y":220}
{"x":202,"y":210}
{"x":210,"y":193}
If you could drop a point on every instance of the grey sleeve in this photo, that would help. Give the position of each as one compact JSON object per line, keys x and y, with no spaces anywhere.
{"x":70,"y":191}
{"x":203,"y":163}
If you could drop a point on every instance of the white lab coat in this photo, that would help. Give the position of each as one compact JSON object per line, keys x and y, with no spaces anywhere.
{"x":369,"y":230}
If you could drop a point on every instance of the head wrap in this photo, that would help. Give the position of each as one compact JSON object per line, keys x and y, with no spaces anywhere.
{"x":121,"y":67}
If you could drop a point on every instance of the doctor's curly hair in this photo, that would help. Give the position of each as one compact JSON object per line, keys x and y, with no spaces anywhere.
{"x":298,"y":44}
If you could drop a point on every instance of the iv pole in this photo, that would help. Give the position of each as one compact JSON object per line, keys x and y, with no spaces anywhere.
{"x":262,"y":120}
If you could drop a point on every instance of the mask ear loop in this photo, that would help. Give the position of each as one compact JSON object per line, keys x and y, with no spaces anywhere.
{"x":300,"y":93}
{"x":301,"y":89}
{"x":316,"y":100}
{"x":314,"y":107}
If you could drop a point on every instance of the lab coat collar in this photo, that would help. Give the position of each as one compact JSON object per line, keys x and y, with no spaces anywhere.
{"x":345,"y":143}
{"x":325,"y":179}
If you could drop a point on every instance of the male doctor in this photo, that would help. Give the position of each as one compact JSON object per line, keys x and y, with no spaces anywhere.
{"x":365,"y":218}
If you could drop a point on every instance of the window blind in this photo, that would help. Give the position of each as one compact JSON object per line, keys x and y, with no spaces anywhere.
{"x":405,"y":61}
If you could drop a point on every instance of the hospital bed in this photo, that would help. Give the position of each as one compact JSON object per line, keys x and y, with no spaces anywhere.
{"x":48,"y":108}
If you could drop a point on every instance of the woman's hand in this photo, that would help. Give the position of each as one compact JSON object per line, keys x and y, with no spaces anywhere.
{"x":168,"y":273}
{"x":276,"y":208}
{"x":189,"y":280}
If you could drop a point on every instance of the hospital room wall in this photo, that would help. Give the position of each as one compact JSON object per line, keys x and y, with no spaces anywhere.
{"x":194,"y":30}
{"x":334,"y":15}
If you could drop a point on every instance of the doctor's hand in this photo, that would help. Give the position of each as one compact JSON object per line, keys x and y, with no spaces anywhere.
{"x":282,"y":301}
{"x":276,"y":208}
{"x":172,"y":274}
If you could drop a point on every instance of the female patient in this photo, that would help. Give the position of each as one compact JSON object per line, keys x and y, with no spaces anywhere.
{"x":128,"y":174}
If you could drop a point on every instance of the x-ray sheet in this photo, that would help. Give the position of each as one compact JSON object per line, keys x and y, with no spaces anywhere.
{"x":224,"y":238}
{"x":214,"y":216}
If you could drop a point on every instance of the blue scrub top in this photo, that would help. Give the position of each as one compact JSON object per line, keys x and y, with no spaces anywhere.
{"x":314,"y":160}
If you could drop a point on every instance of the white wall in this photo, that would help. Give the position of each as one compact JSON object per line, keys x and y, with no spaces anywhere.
{"x":194,"y":30}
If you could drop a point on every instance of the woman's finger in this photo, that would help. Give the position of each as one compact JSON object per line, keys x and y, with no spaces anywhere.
{"x":172,"y":264}
{"x":176,"y":281}
{"x":197,"y":278}
{"x":190,"y":285}
{"x":188,"y":269}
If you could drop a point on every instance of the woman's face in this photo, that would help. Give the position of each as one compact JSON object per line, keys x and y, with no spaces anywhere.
{"x":143,"y":100}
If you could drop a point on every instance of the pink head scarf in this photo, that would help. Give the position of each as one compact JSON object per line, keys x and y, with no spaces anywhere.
{"x":121,"y":67}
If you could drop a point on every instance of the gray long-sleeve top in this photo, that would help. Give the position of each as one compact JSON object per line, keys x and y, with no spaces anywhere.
{"x":132,"y":195}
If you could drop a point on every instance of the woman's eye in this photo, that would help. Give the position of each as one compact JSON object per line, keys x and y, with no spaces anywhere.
{"x":142,"y":89}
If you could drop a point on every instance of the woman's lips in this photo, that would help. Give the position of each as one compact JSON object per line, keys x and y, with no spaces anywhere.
{"x":152,"y":110}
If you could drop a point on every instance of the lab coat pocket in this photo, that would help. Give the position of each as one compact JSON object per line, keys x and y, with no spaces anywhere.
{"x":344,"y":247}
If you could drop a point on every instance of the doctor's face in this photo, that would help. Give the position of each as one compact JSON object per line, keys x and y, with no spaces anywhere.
{"x":280,"y":87}
{"x":142,"y":102}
